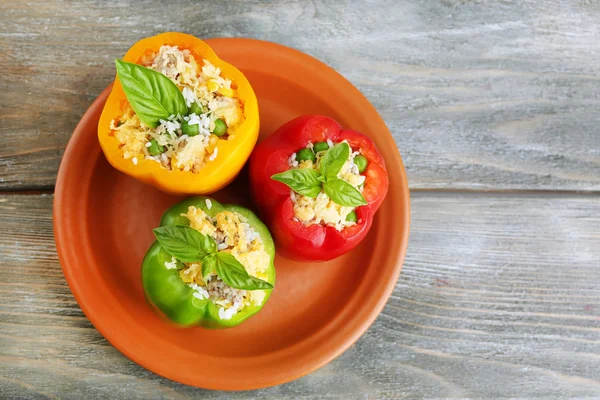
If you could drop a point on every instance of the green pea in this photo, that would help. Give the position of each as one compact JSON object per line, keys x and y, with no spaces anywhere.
{"x":352,"y":217}
{"x":220,"y":127}
{"x":306,"y":154}
{"x":361,"y":162}
{"x":320,"y":146}
{"x":196,"y":108}
{"x":190,"y":130}
{"x":155,"y":149}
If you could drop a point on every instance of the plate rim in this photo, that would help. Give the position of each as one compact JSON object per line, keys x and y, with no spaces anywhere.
{"x":331,"y":353}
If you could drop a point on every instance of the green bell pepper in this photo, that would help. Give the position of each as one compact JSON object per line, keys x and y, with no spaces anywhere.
{"x":166,"y":290}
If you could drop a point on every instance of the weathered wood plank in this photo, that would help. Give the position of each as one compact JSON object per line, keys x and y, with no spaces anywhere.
{"x":499,"y":298}
{"x":479,"y":95}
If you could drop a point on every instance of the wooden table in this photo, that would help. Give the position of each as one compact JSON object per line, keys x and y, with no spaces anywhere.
{"x":495,"y":108}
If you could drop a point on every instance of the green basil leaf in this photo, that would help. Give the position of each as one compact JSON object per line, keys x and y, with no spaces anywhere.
{"x":333,"y":160}
{"x":343,"y":193}
{"x":211,"y":245}
{"x":304,"y":181}
{"x":184,"y":243}
{"x":209,"y":264}
{"x":234,"y":274}
{"x":151,"y":94}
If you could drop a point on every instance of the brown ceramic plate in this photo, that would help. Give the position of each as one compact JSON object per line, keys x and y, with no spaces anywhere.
{"x":103,"y":223}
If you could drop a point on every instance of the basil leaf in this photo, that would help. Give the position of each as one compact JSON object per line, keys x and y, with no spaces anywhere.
{"x":209,"y":264}
{"x":151,"y":94}
{"x":333,"y":160}
{"x":234,"y":274}
{"x":211,"y":245}
{"x":304,"y":181}
{"x":185,"y":243}
{"x":343,"y":193}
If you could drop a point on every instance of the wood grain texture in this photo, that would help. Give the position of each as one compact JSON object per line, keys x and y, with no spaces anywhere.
{"x":478,"y":94}
{"x":498,"y":298}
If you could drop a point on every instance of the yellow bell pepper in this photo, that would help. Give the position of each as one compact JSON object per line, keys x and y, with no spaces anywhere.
{"x":232,"y":153}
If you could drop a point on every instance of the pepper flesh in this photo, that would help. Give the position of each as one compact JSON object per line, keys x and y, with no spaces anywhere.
{"x":232,"y":153}
{"x":168,"y":293}
{"x":314,"y":242}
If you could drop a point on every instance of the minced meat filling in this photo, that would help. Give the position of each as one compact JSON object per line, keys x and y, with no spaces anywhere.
{"x":217,"y":109}
{"x":234,"y":235}
{"x":322,"y":210}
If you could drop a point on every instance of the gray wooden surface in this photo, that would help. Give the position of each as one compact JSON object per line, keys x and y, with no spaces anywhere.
{"x":479,"y":94}
{"x":500,"y":292}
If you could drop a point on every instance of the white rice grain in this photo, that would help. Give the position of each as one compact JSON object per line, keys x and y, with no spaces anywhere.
{"x":214,"y":154}
{"x":208,"y":203}
{"x":227,"y":313}
{"x":171,"y":264}
{"x":189,"y":96}
{"x":292,"y":162}
{"x":171,"y":126}
{"x":194,"y":120}
{"x":205,"y":122}
{"x":200,"y":295}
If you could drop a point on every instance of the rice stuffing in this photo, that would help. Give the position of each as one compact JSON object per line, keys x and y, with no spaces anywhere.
{"x":171,"y":264}
{"x":322,"y":210}
{"x":200,"y":82}
{"x":234,"y":235}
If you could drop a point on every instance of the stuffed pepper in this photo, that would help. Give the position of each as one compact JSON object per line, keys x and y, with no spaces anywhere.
{"x":178,"y":117}
{"x":317,"y":186}
{"x":211,"y":265}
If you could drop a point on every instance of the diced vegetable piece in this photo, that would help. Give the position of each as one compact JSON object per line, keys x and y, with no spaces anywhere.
{"x":220,"y":127}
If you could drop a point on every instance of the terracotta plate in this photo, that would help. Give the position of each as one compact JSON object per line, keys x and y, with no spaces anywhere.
{"x":103,"y":224}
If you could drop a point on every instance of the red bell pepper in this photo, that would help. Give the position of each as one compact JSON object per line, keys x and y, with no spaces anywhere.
{"x":294,"y":239}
